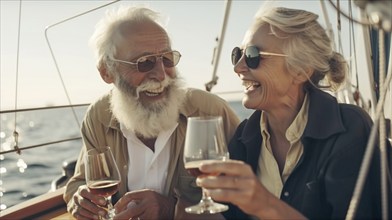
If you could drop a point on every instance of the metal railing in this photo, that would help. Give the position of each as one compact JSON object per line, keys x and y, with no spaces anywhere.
{"x":19,"y":149}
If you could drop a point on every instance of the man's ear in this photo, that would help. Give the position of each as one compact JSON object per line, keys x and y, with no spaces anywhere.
{"x":105,"y":75}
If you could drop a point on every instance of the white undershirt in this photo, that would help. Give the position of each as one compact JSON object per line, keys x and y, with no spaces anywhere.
{"x":148,"y":169}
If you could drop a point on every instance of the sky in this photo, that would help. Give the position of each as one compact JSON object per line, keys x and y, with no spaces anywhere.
{"x":193,"y":27}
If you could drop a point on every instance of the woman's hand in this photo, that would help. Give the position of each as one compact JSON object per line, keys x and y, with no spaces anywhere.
{"x":238,"y":185}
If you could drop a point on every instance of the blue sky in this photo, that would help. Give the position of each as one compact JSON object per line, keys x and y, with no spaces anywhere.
{"x":193,"y":26}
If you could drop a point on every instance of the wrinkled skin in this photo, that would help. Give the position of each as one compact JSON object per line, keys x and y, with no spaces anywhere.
{"x":85,"y":205}
{"x":241,"y":187}
{"x":279,"y":93}
{"x":144,"y":204}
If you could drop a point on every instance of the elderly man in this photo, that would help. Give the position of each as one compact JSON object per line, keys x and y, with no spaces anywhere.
{"x":143,"y":119}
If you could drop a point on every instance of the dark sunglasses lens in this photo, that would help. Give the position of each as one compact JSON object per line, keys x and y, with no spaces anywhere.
{"x":235,"y":55}
{"x":252,"y":57}
{"x":146,"y":64}
{"x":171,"y":59}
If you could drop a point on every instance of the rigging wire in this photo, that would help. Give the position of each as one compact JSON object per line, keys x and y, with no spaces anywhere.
{"x":345,"y":95}
{"x":353,"y":59}
{"x":15,"y":133}
{"x":351,"y":24}
{"x":365,"y":23}
{"x":328,"y":24}
{"x":339,"y":27}
{"x":16,"y":110}
{"x":367,"y":158}
{"x":54,"y":58}
{"x":382,"y":128}
{"x":378,"y":126}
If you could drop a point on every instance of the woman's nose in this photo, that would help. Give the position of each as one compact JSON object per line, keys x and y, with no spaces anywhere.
{"x":240,"y":66}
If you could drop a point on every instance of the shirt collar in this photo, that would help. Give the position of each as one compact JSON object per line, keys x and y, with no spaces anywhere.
{"x":323,"y":120}
{"x":296,"y":128}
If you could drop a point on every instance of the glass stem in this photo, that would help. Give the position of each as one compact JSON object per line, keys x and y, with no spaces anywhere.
{"x":206,"y":199}
{"x":110,"y":208}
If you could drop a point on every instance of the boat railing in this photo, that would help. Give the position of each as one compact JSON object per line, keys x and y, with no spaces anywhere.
{"x":19,"y":149}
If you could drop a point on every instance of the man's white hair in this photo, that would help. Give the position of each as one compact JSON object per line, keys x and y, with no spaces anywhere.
{"x":107,"y":31}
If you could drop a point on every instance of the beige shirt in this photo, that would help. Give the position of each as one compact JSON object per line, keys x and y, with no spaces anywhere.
{"x":100,"y":129}
{"x":268,"y":170}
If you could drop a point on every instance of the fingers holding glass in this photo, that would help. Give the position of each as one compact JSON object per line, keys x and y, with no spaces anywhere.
{"x":145,"y":204}
{"x":102,"y":176}
{"x":85,"y":205}
{"x":204,"y":142}
{"x":237,"y":184}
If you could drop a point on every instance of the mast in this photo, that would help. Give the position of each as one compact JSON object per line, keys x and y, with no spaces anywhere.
{"x":218,"y":48}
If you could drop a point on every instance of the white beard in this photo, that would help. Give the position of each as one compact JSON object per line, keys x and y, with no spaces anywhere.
{"x":147,"y":119}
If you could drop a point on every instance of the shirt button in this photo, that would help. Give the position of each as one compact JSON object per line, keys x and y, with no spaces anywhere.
{"x":286,"y":194}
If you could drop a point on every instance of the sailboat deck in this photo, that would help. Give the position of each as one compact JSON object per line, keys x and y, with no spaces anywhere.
{"x":47,"y":206}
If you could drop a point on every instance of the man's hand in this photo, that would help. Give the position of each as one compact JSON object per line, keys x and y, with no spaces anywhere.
{"x":85,"y":205}
{"x":145,"y":204}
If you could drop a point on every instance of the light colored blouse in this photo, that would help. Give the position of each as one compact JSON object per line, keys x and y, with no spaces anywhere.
{"x":268,"y":170}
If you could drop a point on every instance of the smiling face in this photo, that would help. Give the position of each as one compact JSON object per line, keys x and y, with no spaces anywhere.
{"x":153,"y":97}
{"x":139,"y":40}
{"x":270,"y":86}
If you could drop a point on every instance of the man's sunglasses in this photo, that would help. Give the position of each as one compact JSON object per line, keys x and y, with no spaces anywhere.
{"x":147,"y":63}
{"x":252,"y":56}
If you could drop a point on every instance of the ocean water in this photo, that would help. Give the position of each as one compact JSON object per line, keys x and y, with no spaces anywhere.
{"x":31,"y":173}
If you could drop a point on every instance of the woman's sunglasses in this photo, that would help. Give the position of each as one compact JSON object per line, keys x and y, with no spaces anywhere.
{"x":252,"y":56}
{"x":147,"y":63}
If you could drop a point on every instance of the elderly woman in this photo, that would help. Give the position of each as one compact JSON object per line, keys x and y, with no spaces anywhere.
{"x":299,"y":154}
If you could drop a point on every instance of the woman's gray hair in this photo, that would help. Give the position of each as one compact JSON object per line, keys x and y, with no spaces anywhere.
{"x":306,"y":45}
{"x":108,"y":31}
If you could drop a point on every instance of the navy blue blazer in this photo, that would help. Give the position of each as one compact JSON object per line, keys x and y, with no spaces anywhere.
{"x":322,"y":183}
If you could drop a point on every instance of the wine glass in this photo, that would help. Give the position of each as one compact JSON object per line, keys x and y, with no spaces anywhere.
{"x":204,"y":141}
{"x":102,"y":175}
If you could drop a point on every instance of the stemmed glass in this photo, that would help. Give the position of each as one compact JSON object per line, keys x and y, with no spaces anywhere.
{"x":102,"y":175}
{"x":204,"y":141}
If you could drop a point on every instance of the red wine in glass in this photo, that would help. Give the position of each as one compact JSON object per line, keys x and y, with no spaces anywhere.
{"x":104,"y":188}
{"x":204,"y":142}
{"x":193,"y":168}
{"x":102,"y":175}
